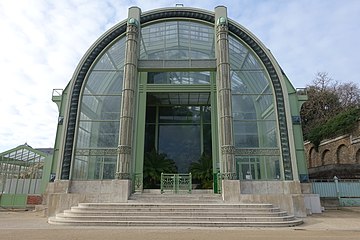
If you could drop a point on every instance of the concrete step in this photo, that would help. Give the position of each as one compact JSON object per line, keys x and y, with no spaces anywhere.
{"x":174,"y":214}
{"x":174,"y":209}
{"x":190,"y":219}
{"x":175,"y":205}
{"x":170,"y":223}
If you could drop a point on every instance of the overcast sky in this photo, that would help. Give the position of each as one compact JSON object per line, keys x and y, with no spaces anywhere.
{"x":42,"y":41}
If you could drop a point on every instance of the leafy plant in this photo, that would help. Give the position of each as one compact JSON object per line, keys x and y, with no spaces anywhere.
{"x":154,"y":164}
{"x":202,"y":170}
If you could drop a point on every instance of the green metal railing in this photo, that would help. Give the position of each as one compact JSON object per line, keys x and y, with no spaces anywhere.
{"x":137,"y":182}
{"x":175,"y":183}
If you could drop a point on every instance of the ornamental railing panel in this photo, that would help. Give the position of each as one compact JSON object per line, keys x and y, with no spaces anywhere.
{"x":175,"y":183}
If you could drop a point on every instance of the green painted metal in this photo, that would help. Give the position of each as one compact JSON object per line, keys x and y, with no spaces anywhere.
{"x":59,"y":138}
{"x":139,"y":139}
{"x":214,"y":131}
{"x":13,"y":200}
{"x":175,"y":183}
{"x":219,"y":182}
{"x":350,"y":202}
{"x":142,"y":91}
{"x":137,"y":180}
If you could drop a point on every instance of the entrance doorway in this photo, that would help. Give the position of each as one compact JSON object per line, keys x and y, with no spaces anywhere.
{"x":177,"y":134}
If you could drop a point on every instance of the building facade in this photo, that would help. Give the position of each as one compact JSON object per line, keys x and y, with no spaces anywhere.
{"x":182,"y":82}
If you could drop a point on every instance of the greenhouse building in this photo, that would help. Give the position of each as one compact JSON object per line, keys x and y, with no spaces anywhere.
{"x":175,"y":101}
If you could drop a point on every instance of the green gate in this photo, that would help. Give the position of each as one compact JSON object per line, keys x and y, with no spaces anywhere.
{"x":175,"y":183}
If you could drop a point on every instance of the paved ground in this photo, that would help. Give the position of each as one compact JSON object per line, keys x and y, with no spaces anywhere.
{"x":339,"y":224}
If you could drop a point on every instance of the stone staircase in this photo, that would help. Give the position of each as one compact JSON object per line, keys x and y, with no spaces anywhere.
{"x":173,"y":210}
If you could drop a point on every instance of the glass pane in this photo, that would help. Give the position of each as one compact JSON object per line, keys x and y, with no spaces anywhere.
{"x":207,"y":139}
{"x":179,"y":114}
{"x":150,"y":114}
{"x":149,"y":137}
{"x":178,"y":98}
{"x":185,"y":148}
{"x":100,"y":108}
{"x":246,"y":134}
{"x":179,"y":77}
{"x":174,"y":40}
{"x":105,"y":167}
{"x":104,"y":82}
{"x":94,"y":134}
{"x":258,"y":167}
{"x":80,"y":168}
{"x":113,"y":58}
{"x":245,"y":82}
{"x":206,"y":114}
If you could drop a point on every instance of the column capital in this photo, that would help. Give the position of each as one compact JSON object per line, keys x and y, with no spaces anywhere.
{"x":133,"y":21}
{"x":227,"y":149}
{"x":228,"y":176}
{"x":124,"y":149}
{"x":222,"y":21}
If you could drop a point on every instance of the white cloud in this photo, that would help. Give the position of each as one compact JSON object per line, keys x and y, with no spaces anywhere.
{"x":43,"y":41}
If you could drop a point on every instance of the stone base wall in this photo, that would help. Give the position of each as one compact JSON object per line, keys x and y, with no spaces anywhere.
{"x":61,"y":195}
{"x":287,"y":195}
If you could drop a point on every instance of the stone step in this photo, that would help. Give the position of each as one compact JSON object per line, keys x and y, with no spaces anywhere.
{"x":190,"y":219}
{"x":174,"y":206}
{"x":169,"y":223}
{"x":174,"y":213}
{"x":152,"y":209}
{"x":175,"y":210}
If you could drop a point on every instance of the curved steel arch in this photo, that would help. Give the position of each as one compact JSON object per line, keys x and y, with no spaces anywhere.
{"x":169,"y":13}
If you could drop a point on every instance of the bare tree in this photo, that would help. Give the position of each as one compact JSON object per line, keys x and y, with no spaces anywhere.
{"x":327,"y":98}
{"x":349,"y":94}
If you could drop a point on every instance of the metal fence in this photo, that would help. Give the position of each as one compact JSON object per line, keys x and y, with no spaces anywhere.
{"x":175,"y":183}
{"x":347,"y":191}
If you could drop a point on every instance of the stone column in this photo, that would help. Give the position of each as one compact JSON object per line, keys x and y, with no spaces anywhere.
{"x":128,"y":95}
{"x":223,"y":85}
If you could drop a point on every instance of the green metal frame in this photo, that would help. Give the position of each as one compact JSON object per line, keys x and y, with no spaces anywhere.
{"x":145,"y":88}
{"x":175,"y":183}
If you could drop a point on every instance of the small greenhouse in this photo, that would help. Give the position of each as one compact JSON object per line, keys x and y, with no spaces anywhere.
{"x":24,"y":174}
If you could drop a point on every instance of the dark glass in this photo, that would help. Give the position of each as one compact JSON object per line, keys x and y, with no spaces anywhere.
{"x":180,"y":143}
{"x":149,"y":137}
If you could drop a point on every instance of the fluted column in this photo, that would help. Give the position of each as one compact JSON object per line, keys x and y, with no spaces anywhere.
{"x":223,"y":85}
{"x":125,"y":149}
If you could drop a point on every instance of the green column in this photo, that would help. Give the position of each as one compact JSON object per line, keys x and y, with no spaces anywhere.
{"x":224,"y":108}
{"x":125,"y":150}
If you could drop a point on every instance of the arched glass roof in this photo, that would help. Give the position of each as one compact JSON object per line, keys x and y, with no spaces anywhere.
{"x":177,"y":40}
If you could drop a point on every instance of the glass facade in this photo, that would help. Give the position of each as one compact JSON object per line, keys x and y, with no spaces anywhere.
{"x":254,"y":116}
{"x":185,"y":114}
{"x":98,"y":127}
